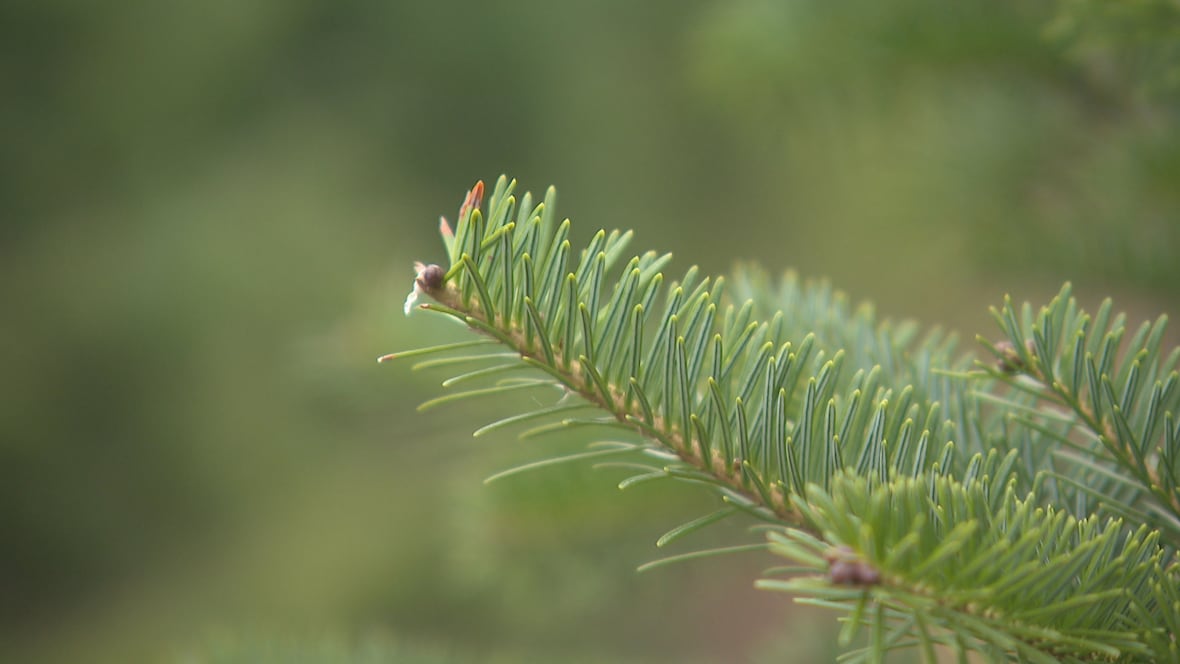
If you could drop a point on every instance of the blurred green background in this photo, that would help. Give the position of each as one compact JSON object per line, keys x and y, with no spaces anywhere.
{"x":210,"y":211}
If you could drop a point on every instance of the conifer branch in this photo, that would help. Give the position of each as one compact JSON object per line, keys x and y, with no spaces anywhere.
{"x":1127,"y":405}
{"x":929,"y":508}
{"x":584,"y":379}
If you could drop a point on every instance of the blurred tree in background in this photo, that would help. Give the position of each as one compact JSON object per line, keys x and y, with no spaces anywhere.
{"x":210,"y":212}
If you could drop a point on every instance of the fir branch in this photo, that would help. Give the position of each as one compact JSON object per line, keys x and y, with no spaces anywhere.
{"x":760,"y":408}
{"x":1127,"y":401}
{"x":928,"y":509}
{"x":941,"y":555}
{"x":583,"y":379}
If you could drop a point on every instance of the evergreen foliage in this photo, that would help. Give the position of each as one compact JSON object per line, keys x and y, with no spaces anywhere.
{"x":1025,"y":508}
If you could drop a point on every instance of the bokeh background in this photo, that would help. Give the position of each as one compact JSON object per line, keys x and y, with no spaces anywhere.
{"x":210,"y":211}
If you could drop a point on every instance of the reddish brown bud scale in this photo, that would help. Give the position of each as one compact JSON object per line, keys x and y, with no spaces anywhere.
{"x":473,"y":200}
{"x":477,"y":194}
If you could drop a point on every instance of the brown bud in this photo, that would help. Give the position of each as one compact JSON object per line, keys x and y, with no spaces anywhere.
{"x":843,"y":573}
{"x":845,"y":568}
{"x":430,"y":277}
{"x":867,"y":575}
{"x":1009,"y":361}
